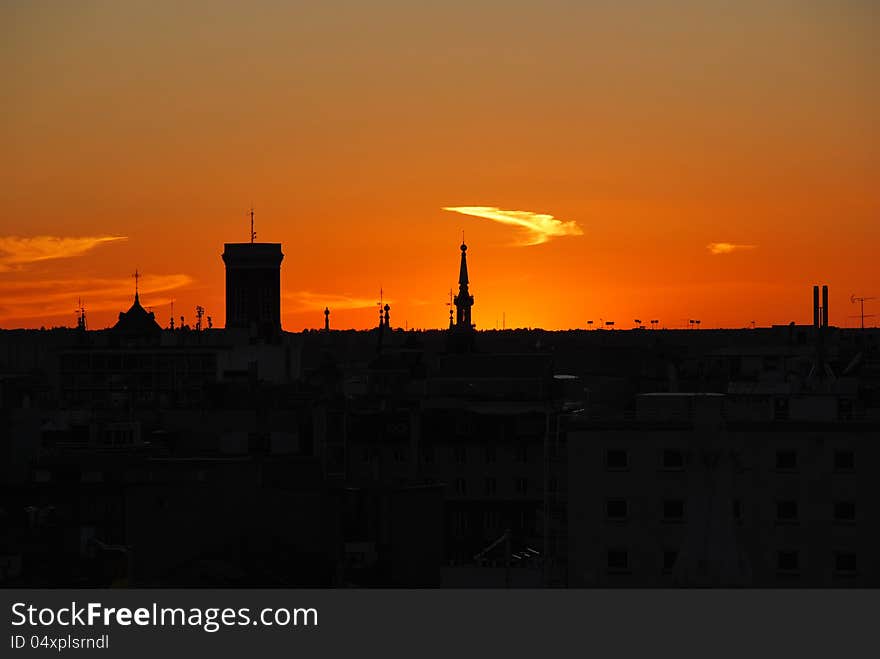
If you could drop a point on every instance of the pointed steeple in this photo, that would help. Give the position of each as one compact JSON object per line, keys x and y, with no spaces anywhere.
{"x":464,"y":300}
{"x":462,"y":271}
{"x":137,"y":276}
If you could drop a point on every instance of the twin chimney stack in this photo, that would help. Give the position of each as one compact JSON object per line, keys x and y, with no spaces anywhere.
{"x":820,"y":313}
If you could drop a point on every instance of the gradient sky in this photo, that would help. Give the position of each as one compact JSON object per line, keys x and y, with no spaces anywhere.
{"x":699,"y":159}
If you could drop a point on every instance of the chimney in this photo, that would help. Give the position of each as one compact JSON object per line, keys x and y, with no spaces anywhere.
{"x":824,"y":306}
{"x":815,"y":306}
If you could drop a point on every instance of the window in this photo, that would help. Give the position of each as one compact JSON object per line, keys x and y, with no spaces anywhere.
{"x":845,"y":511}
{"x":844,"y":460}
{"x":673,"y":459}
{"x":738,"y":511}
{"x":618,"y":560}
{"x":491,"y":486}
{"x":459,"y":454}
{"x":669,"y":558}
{"x":490,"y":454}
{"x":460,"y":521}
{"x":616,"y":459}
{"x":786,"y":511}
{"x":616,"y":509}
{"x":492,"y":519}
{"x":552,"y":485}
{"x":787,"y":561}
{"x":786,"y":460}
{"x":428,"y":454}
{"x":522,"y":485}
{"x":522,"y":452}
{"x":673,"y":510}
{"x":460,"y":487}
{"x":780,"y":409}
{"x":844,"y":563}
{"x":399,"y":455}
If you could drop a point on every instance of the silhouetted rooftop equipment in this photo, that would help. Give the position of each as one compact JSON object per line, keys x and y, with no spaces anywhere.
{"x":861,"y":301}
{"x":820,"y":312}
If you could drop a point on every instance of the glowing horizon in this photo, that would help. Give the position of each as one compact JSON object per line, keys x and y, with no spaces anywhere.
{"x":644,"y":160}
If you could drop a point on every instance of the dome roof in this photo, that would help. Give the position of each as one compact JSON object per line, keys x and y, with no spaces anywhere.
{"x":137,"y":320}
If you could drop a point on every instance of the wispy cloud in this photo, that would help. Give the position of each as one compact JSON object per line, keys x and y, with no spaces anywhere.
{"x":18,"y":251}
{"x":727,"y":248}
{"x":538,"y":227}
{"x":57,"y":298}
{"x":312,"y":301}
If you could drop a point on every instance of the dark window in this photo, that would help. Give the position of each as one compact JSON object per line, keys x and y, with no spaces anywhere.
{"x":786,"y":511}
{"x":673,"y":510}
{"x":786,"y":460}
{"x":616,"y":459}
{"x":522,"y":453}
{"x":669,"y":558}
{"x":460,"y":486}
{"x":844,"y":562}
{"x":616,"y":509}
{"x":787,"y":561}
{"x":618,"y":559}
{"x":844,"y":511}
{"x":552,"y":484}
{"x":491,"y":486}
{"x":780,"y":409}
{"x":673,"y":459}
{"x":428,"y":455}
{"x":738,"y":510}
{"x":492,"y":519}
{"x":844,"y":460}
{"x":460,"y":454}
{"x":522,"y":485}
{"x":399,"y":455}
{"x":490,"y":454}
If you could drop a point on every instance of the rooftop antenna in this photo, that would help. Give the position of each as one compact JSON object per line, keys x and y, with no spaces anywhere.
{"x":380,"y":304}
{"x":81,"y":310}
{"x":253,"y":233}
{"x":450,"y":305}
{"x":137,"y":275}
{"x":861,"y":301}
{"x":172,"y":314}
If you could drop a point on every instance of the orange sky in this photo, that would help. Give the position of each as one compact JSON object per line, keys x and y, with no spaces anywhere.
{"x":655,"y":128}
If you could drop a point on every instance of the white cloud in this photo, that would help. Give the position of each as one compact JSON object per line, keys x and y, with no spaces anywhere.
{"x":538,"y":227}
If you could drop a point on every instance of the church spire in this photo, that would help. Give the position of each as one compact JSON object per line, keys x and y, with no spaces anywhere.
{"x":137,"y":275}
{"x":464,"y":300}
{"x":462,"y":271}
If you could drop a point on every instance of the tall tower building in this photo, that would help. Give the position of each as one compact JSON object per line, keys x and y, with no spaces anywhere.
{"x":253,"y":285}
{"x":461,"y":334}
{"x":464,"y":300}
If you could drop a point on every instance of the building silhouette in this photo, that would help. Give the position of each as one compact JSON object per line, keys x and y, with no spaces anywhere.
{"x":250,"y":456}
{"x":461,"y":338}
{"x":253,"y":287}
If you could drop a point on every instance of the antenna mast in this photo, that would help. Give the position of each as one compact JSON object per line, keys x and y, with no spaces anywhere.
{"x":861,"y":301}
{"x":81,"y":310}
{"x":253,"y":233}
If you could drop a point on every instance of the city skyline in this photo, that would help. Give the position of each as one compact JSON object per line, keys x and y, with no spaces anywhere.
{"x":717,"y":172}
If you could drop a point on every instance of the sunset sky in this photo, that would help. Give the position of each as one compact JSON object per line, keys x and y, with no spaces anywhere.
{"x":613,"y":160}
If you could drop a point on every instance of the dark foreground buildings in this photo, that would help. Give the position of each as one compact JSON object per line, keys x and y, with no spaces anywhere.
{"x":142,"y":456}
